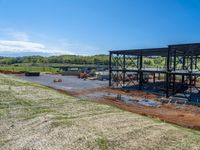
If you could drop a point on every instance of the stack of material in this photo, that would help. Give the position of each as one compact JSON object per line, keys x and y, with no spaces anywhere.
{"x":32,"y":73}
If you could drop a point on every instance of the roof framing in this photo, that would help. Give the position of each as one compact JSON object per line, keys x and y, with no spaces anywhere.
{"x":180,"y":49}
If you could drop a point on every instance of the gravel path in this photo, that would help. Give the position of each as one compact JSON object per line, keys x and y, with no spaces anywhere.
{"x":68,"y":83}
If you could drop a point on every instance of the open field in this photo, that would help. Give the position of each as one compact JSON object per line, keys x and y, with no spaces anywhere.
{"x":34,"y":116}
{"x":34,"y":69}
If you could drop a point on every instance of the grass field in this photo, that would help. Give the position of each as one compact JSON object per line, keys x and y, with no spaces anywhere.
{"x":34,"y":69}
{"x":38,"y":67}
{"x":36,"y":117}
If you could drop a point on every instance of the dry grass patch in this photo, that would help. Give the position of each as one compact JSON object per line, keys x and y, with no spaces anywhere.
{"x":36,"y":117}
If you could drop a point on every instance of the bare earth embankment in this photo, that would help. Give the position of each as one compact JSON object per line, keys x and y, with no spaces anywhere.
{"x":36,"y":117}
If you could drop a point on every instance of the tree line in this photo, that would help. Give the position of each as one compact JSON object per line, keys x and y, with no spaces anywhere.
{"x":68,"y":59}
{"x":74,"y":59}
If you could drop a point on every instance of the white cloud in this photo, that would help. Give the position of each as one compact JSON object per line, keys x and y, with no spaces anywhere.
{"x":31,"y":47}
{"x":12,"y":42}
{"x":13,"y":34}
{"x":21,"y":36}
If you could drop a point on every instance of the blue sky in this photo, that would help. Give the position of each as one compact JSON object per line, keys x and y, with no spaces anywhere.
{"x":88,"y":27}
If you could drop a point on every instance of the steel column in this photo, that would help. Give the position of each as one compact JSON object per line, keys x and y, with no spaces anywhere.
{"x":110,"y":68}
{"x":167,"y":73}
{"x":140,"y":71}
{"x":124,"y":70}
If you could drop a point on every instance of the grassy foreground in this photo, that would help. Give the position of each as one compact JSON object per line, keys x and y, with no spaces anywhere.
{"x":36,"y":117}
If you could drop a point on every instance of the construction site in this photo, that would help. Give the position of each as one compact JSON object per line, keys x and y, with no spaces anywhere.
{"x":177,"y":78}
{"x":100,"y":75}
{"x":128,"y":101}
{"x":170,"y":93}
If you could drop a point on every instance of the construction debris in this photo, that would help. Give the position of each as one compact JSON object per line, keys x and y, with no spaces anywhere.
{"x":32,"y":73}
{"x":57,"y":80}
{"x":150,"y":103}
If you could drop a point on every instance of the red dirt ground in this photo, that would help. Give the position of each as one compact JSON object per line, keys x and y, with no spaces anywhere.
{"x":179,"y":114}
{"x":11,"y":72}
{"x":187,"y":117}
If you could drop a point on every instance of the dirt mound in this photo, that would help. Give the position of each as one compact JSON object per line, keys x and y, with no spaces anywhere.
{"x":11,"y":72}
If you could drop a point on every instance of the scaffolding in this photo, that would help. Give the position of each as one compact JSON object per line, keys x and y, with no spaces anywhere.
{"x":178,"y":76}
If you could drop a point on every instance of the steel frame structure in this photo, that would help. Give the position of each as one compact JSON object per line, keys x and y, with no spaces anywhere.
{"x":179,"y":73}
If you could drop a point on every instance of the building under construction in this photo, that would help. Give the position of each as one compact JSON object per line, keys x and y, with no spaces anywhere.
{"x":177,"y":73}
